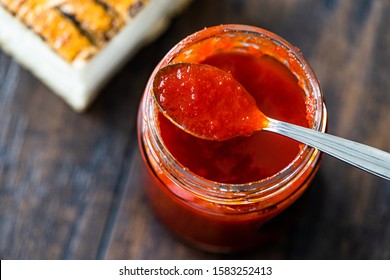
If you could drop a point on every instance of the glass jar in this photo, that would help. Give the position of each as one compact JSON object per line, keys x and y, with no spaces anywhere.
{"x":215,"y":216}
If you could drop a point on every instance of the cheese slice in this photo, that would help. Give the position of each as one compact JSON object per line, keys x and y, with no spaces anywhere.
{"x":75,"y":46}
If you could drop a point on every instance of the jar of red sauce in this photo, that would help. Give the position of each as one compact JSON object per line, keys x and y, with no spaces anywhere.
{"x":217,"y":195}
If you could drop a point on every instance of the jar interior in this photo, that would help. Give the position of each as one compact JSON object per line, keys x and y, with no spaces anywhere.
{"x":257,"y":43}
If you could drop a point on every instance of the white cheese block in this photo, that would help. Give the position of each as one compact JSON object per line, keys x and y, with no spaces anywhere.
{"x":78,"y":83}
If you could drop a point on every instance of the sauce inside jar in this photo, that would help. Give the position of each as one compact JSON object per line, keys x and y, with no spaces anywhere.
{"x":251,"y":158}
{"x":185,"y":174}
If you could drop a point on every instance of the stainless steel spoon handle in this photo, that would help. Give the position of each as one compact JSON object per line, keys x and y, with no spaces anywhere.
{"x":362,"y":156}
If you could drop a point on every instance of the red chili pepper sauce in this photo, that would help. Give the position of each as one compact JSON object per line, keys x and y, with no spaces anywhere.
{"x":206,"y":101}
{"x":252,"y":158}
{"x":228,"y":217}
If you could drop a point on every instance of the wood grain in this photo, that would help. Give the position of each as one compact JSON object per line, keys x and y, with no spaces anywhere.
{"x":70,"y":184}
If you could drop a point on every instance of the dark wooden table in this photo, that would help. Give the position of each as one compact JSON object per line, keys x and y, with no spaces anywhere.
{"x":69,"y":182}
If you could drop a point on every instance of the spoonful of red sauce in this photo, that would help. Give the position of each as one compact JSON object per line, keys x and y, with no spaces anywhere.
{"x":209,"y":103}
{"x":206,"y":102}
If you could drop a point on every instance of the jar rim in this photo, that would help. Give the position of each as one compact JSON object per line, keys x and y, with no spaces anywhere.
{"x":228,"y":191}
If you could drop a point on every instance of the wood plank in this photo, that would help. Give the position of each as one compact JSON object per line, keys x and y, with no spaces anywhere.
{"x":61,"y":170}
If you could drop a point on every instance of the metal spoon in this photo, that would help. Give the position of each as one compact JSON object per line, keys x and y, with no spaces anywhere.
{"x":194,"y":78}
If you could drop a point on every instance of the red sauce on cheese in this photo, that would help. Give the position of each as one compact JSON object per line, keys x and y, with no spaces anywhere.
{"x":251,"y":158}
